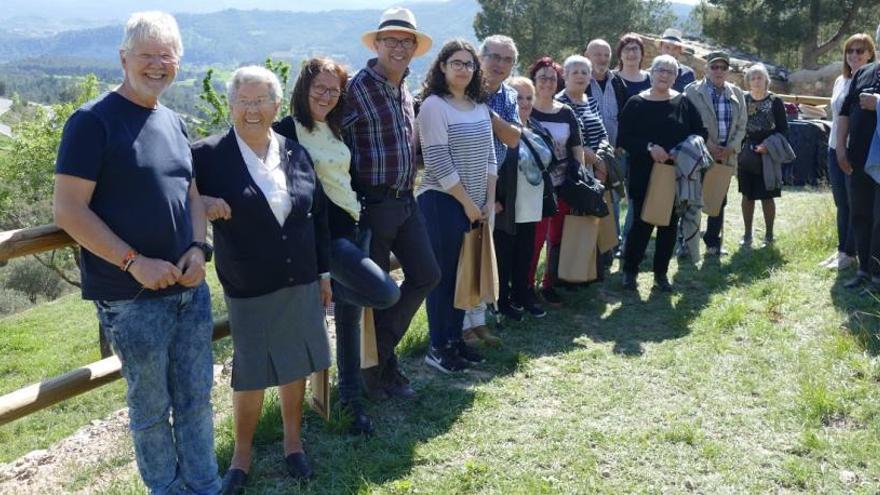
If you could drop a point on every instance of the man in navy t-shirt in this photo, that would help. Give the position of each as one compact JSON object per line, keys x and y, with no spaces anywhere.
{"x":124,"y":190}
{"x":671,"y":44}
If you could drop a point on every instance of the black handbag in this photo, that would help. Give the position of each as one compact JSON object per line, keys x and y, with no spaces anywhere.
{"x":750,"y":161}
{"x":583,"y":192}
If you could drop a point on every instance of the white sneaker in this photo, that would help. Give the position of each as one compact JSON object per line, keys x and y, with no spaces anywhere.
{"x":826,"y":263}
{"x":844,"y":261}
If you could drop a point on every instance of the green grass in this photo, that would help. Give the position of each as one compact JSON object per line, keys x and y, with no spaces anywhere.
{"x":760,"y":375}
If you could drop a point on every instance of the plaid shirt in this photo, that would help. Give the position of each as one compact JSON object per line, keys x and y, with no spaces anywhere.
{"x":722,"y":111}
{"x":378,"y":128}
{"x":503,"y":102}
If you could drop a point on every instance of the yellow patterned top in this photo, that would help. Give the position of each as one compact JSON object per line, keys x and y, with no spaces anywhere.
{"x":332,"y":160}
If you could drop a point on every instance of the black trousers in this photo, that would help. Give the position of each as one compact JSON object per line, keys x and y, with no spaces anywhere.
{"x":865,"y":214}
{"x":640,"y":234}
{"x":712,"y":237}
{"x":514,"y":255}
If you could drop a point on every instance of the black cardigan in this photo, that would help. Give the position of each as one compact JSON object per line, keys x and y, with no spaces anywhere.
{"x":255,"y":255}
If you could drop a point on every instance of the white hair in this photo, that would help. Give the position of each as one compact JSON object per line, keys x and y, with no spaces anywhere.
{"x":665,"y":61}
{"x":758,"y":68}
{"x":254,"y":74}
{"x":576,"y":60}
{"x":500,"y":39}
{"x":598,"y":42}
{"x":155,"y":26}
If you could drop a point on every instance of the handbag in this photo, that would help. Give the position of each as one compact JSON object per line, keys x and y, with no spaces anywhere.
{"x":467,"y":275}
{"x":489,"y":284}
{"x":582,"y":191}
{"x":607,"y":229}
{"x":535,"y":157}
{"x":715,"y":185}
{"x":750,"y":161}
{"x":577,"y":253}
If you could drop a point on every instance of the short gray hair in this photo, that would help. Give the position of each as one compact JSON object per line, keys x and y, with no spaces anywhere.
{"x":758,"y":68}
{"x":155,"y":25}
{"x":575,"y":60}
{"x":500,"y":39}
{"x":664,"y":60}
{"x":254,"y":74}
{"x":598,"y":42}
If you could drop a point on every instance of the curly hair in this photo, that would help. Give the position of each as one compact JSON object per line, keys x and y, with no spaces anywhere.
{"x":625,"y":40}
{"x":299,"y":101}
{"x":435,"y":81}
{"x":543,"y":63}
{"x":866,"y":42}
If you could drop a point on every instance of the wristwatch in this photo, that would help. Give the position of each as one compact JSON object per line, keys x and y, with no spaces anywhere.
{"x":650,"y":145}
{"x":205,"y":247}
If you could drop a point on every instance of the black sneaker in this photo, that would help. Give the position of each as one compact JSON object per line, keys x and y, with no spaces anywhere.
{"x":510,"y":312}
{"x":514,"y":306}
{"x":467,"y":353}
{"x":550,"y":295}
{"x":445,"y":360}
{"x":535,"y":310}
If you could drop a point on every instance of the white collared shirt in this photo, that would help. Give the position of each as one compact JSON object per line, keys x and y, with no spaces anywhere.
{"x":269,"y":176}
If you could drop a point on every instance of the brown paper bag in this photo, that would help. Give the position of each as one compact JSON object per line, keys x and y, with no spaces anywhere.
{"x":715,"y":185}
{"x":467,"y":276}
{"x":320,"y":398}
{"x":577,"y":254}
{"x":608,"y":227}
{"x":489,"y":285}
{"x":369,"y":349}
{"x":661,"y":195}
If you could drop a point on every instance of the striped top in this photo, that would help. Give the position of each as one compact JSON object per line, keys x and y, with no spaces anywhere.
{"x":592,"y":128}
{"x":457,"y":146}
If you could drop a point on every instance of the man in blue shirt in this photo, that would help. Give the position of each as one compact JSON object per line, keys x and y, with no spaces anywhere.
{"x":124,"y":190}
{"x":671,"y":44}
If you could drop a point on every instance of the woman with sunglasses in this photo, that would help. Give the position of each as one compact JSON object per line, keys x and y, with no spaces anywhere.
{"x":457,"y":189}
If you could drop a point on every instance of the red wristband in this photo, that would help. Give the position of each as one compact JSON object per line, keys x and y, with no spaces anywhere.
{"x":129,"y":258}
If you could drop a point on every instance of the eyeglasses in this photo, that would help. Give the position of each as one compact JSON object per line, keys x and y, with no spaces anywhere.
{"x":524,"y":97}
{"x":575,"y":72}
{"x":718,"y":67}
{"x":546,"y":79}
{"x":165,"y":58}
{"x":498,"y":59}
{"x":668,"y":72}
{"x":459,"y":65}
{"x":321,"y":90}
{"x":857,"y":51}
{"x":631,"y":48}
{"x":406,"y":44}
{"x":262,"y":101}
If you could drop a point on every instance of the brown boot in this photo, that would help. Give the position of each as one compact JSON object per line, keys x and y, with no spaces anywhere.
{"x":470,"y":337}
{"x":482,"y":332}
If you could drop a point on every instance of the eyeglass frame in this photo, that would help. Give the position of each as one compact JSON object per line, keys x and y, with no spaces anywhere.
{"x":391,"y":42}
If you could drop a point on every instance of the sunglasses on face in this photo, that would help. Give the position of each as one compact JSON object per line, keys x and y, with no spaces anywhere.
{"x":718,"y":67}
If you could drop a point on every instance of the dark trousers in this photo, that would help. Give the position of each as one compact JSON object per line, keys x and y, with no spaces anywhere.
{"x":446,"y":226}
{"x":514,"y":255}
{"x":398,"y":227}
{"x":637,"y":242}
{"x":840,"y":187}
{"x":865,"y":215}
{"x":357,"y":282}
{"x":714,"y":227}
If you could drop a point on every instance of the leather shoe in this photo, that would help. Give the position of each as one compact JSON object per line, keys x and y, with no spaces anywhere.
{"x":397,"y":385}
{"x":662,"y":284}
{"x":298,"y":466}
{"x":373,"y":385}
{"x":629,"y":281}
{"x":233,"y":482}
{"x":361,"y":424}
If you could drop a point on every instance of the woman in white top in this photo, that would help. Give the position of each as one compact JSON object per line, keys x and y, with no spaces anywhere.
{"x":457,"y":190}
{"x":857,"y":51}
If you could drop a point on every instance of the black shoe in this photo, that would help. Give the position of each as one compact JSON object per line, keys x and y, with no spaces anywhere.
{"x":662,"y":284}
{"x":397,"y":384}
{"x":508,"y":311}
{"x":860,"y":279}
{"x":550,"y":296}
{"x":467,"y":353}
{"x":298,"y":466}
{"x":360,"y":422}
{"x":629,"y":281}
{"x":514,"y":306}
{"x":374,"y":387}
{"x":445,"y":360}
{"x":233,"y":482}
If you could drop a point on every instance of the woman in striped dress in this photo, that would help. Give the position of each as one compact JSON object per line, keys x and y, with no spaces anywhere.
{"x":457,"y":188}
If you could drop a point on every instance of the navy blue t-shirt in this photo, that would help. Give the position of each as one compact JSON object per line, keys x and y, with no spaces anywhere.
{"x":140,"y":161}
{"x":862,"y":123}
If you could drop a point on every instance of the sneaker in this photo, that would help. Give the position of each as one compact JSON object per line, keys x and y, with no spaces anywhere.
{"x":515,"y":306}
{"x":466,"y":353}
{"x":445,"y":360}
{"x":841,"y":261}
{"x":397,"y":384}
{"x":535,"y":310}
{"x":768,"y":241}
{"x":745,"y":242}
{"x":661,"y":283}
{"x":507,"y":310}
{"x":831,"y":261}
{"x":550,"y":296}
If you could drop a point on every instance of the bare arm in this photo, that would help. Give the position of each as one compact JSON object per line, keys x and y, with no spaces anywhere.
{"x":840,"y":141}
{"x":470,"y":208}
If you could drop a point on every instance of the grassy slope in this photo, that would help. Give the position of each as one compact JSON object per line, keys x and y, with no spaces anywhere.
{"x":758,"y":376}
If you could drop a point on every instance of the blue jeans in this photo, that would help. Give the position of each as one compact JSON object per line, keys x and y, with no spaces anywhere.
{"x":164,"y":345}
{"x":840,"y":189}
{"x":446,"y":224}
{"x":357,"y":282}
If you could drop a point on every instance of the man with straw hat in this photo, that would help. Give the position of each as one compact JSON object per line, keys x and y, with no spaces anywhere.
{"x":379,"y":128}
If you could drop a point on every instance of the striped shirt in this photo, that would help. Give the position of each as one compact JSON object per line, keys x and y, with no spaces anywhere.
{"x":503,"y":102}
{"x":457,"y":146}
{"x":592,"y":128}
{"x":378,"y":128}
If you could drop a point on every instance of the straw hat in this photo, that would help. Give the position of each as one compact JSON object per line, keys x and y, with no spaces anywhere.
{"x":399,"y":19}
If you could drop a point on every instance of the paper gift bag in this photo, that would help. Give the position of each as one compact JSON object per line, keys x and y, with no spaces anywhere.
{"x":489,"y":285}
{"x":369,"y":350}
{"x":320,"y":398}
{"x":467,"y":276}
{"x":608,"y":227}
{"x":661,"y":195}
{"x":715,"y":185}
{"x":577,"y":254}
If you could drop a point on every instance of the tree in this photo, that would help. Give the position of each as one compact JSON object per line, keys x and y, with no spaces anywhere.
{"x":563,"y":27}
{"x":788,"y":32}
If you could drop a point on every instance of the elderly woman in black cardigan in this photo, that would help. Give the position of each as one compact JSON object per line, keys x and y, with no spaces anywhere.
{"x":272,"y":242}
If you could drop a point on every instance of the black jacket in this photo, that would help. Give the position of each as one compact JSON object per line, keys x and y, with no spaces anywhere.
{"x":255,"y":255}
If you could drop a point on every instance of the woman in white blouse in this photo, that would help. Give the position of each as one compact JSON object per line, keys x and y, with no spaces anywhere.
{"x":457,"y":190}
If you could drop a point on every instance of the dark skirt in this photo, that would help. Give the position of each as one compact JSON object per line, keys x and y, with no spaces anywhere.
{"x":277,"y":338}
{"x":752,"y":187}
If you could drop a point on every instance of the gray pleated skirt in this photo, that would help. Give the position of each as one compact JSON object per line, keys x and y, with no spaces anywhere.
{"x":277,"y":338}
